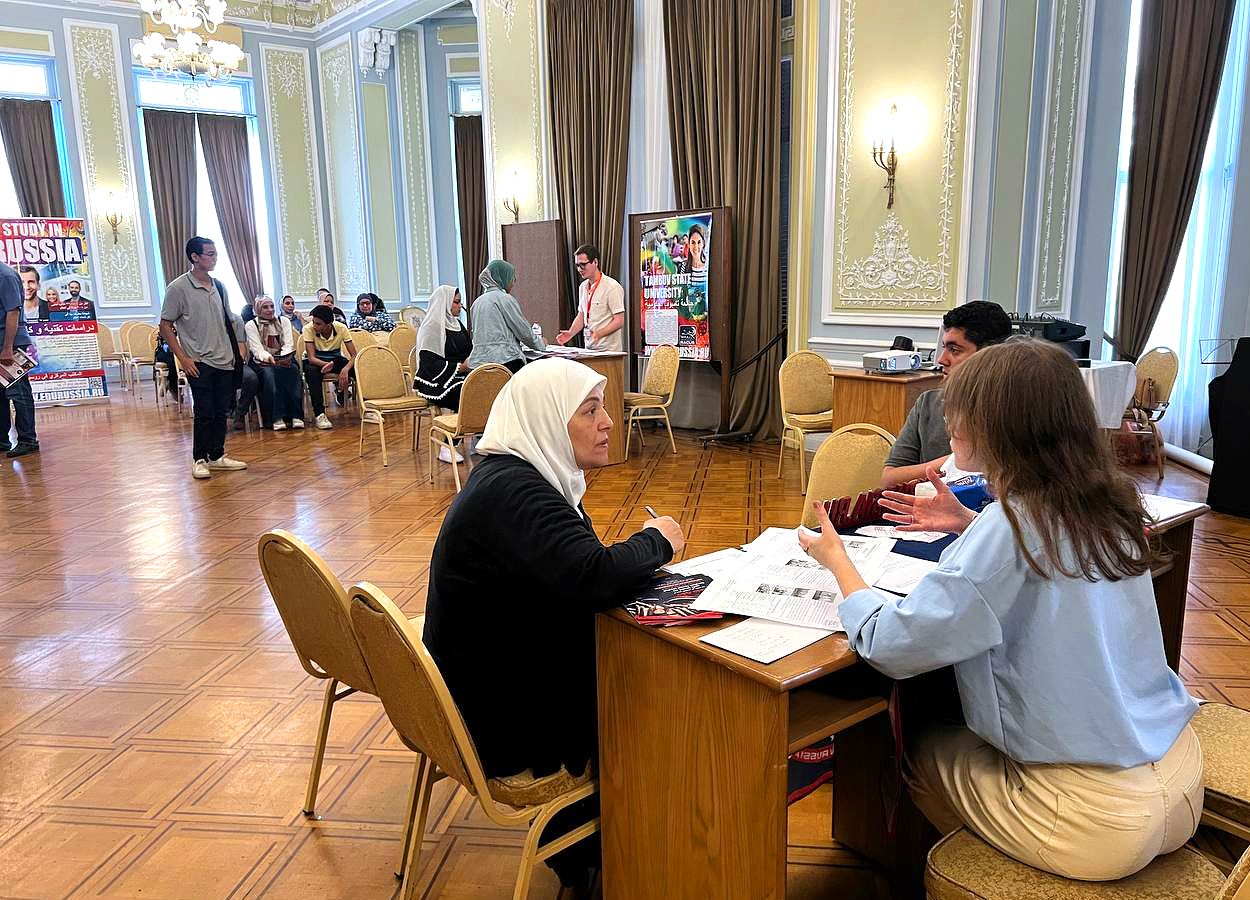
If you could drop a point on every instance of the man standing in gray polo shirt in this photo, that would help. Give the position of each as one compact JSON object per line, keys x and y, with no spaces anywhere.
{"x":209,"y":342}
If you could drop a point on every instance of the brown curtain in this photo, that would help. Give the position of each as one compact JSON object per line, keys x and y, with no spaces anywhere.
{"x":30,"y":144}
{"x":1178,"y":80}
{"x":171,"y":167}
{"x":589,"y":73}
{"x":224,"y":139}
{"x":471,"y":200}
{"x":724,"y":77}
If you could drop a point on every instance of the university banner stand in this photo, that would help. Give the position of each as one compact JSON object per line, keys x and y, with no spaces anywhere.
{"x":681,"y":268}
{"x":64,"y":326}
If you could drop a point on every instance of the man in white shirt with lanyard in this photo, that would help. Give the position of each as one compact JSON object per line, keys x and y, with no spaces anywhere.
{"x":600,"y":305}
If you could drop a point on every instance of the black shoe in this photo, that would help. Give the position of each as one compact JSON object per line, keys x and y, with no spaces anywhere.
{"x":341,"y":397}
{"x":22,"y":449}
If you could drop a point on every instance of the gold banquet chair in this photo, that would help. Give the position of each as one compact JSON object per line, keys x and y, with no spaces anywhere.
{"x":1156,"y":376}
{"x":1224,"y":733}
{"x":427,"y":721}
{"x":806,"y":382}
{"x":477,"y":396}
{"x":383,"y":389}
{"x":403,"y":339}
{"x":847,"y":463}
{"x":314,"y":609}
{"x":363,"y":339}
{"x":110,"y":354}
{"x":658,"y":387}
{"x":140,"y":347}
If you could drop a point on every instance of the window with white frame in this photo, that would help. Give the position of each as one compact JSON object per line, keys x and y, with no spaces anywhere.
{"x":28,"y":78}
{"x":232,"y":98}
{"x":466,"y":96}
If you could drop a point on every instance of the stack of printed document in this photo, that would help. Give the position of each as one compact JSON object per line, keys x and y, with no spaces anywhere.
{"x":773,"y":578}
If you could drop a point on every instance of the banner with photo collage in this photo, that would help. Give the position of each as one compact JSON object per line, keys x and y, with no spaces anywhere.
{"x":674,"y":277}
{"x":58,"y":307}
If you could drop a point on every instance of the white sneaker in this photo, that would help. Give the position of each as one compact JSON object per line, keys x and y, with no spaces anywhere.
{"x":297,"y":424}
{"x":199,"y":469}
{"x":444,"y":453}
{"x":324,"y":423}
{"x":279,"y":425}
{"x":226,"y":464}
{"x":373,"y":417}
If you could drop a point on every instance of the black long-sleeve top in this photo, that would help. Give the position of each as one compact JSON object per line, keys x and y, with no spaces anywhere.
{"x":438,"y":378}
{"x":516,"y":578}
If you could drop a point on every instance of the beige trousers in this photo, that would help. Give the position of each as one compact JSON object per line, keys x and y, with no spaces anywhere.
{"x":1090,"y":823}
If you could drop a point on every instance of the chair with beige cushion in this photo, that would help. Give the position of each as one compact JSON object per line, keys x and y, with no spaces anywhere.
{"x":652,"y":402}
{"x":806,"y":404}
{"x":411,"y":315}
{"x":477,"y":396}
{"x":1224,"y":732}
{"x":963,"y":867}
{"x":427,"y":721}
{"x":403,"y":339}
{"x":848,"y":462}
{"x":1156,"y":376}
{"x":315,"y":611}
{"x":140,"y":341}
{"x":110,"y":354}
{"x":383,"y":388}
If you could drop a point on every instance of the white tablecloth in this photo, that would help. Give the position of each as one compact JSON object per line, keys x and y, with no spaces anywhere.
{"x":1111,"y":384}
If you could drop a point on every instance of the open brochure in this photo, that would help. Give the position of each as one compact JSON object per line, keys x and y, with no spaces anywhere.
{"x":22,"y":363}
{"x":667,"y":601}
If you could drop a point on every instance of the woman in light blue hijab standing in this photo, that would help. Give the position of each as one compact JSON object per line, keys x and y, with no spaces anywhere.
{"x":499,"y":327}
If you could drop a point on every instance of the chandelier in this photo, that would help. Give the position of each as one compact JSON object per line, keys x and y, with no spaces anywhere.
{"x":189,"y":54}
{"x":186,"y":15}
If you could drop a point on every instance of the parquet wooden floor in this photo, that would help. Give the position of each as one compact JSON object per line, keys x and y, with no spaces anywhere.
{"x":156,"y":730}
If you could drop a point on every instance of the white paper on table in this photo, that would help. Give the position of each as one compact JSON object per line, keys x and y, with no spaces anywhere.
{"x":792,"y":587}
{"x":763,"y":640}
{"x":903,"y":573}
{"x":892,"y":531}
{"x":1159,"y":508}
{"x":778,"y":541}
{"x":719,"y":564}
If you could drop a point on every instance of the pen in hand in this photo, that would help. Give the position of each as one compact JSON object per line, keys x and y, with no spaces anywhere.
{"x":651,"y":512}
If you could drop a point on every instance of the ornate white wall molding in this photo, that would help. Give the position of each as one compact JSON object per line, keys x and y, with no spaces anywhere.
{"x":340,"y":115}
{"x":895,"y":274}
{"x":416,"y":172}
{"x":106,"y":153}
{"x":1058,"y":198}
{"x":287,"y":79}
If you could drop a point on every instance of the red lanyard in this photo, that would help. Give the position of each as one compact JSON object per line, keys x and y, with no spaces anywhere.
{"x":590,"y":291}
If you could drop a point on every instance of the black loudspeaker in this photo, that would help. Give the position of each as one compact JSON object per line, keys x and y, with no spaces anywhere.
{"x":902,"y":342}
{"x":1229,"y":489}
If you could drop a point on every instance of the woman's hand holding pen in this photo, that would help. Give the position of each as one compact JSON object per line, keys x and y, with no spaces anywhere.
{"x":667,"y":526}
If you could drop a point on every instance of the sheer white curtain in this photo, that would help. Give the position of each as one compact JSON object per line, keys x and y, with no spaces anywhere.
{"x":650,"y":182}
{"x":1191,"y":310}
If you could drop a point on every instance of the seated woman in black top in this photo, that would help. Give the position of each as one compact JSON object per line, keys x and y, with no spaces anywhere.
{"x":518,"y":574}
{"x":443,"y":345}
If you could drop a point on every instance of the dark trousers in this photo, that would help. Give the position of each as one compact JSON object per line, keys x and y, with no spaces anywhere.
{"x":249,"y":387}
{"x":312,"y":374}
{"x":24,"y":406}
{"x":280,"y":397}
{"x":212,"y":391}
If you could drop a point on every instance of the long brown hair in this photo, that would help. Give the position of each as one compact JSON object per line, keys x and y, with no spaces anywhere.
{"x":1027,"y":414}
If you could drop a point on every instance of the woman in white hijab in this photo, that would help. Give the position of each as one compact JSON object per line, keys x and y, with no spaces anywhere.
{"x":271,"y":341}
{"x":517,"y":576}
{"x":443,"y":345}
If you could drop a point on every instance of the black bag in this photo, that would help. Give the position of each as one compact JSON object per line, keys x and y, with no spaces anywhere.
{"x":230,"y":336}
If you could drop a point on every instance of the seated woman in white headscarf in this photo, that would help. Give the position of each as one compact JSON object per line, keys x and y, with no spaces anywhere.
{"x":443,"y":345}
{"x":518,"y":574}
{"x":271,"y":341}
{"x":500,"y":331}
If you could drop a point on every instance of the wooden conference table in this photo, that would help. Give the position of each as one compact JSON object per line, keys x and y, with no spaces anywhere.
{"x":693,"y":742}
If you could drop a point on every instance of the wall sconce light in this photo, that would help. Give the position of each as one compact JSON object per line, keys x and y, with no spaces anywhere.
{"x":894,"y":130}
{"x":112,"y":214}
{"x":510,"y":202}
{"x":887,"y":161}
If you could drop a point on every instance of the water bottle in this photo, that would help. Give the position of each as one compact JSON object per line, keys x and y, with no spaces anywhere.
{"x":538,"y":334}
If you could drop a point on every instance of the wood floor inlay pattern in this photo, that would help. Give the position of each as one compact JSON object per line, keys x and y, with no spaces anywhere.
{"x":156,"y":730}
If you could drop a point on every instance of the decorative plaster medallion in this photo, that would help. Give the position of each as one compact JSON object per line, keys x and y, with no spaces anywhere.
{"x":508,"y":8}
{"x":891,"y":266}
